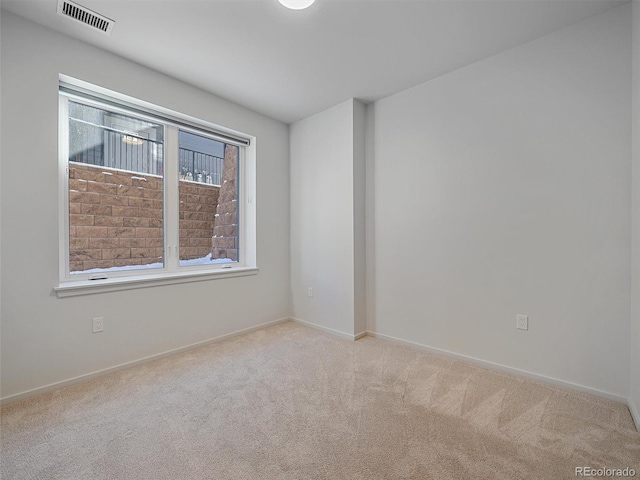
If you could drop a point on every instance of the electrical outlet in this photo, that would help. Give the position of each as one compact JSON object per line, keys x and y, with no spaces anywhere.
{"x":310,"y":292}
{"x":522,"y":322}
{"x":98,"y":324}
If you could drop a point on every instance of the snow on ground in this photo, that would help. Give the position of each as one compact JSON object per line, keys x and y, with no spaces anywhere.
{"x":183,"y":263}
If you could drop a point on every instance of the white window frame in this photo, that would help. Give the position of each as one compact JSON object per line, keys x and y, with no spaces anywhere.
{"x":172,"y":272}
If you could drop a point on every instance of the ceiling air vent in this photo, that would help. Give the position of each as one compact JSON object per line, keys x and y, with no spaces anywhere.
{"x":85,"y":16}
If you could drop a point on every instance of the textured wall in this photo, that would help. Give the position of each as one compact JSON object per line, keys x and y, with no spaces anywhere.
{"x":198,"y":204}
{"x":115,"y":218}
{"x":224,"y":243}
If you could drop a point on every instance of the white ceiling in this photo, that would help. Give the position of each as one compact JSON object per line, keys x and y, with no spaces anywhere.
{"x":290,"y":64}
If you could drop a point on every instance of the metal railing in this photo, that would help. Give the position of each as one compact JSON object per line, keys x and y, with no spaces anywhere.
{"x":111,"y":148}
{"x":200,"y":167}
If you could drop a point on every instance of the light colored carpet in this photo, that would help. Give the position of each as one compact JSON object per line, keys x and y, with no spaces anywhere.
{"x":289,"y":402}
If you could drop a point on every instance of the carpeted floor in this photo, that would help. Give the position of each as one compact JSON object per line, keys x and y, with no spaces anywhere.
{"x":289,"y":402}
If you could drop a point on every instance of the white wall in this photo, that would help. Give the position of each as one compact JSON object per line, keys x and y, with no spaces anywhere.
{"x":503,"y":188}
{"x":359,"y":217}
{"x":46,"y":339}
{"x":0,"y":225}
{"x":327,"y":218}
{"x":634,"y":399}
{"x":370,"y":212}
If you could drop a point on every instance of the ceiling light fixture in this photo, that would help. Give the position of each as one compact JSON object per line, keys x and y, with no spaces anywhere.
{"x":297,"y":4}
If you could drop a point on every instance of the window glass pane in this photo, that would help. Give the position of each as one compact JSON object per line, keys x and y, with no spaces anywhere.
{"x":208,"y":200}
{"x":115,"y":191}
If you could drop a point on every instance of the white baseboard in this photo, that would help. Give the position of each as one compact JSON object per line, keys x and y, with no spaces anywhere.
{"x":348,"y":336}
{"x":635,"y":414}
{"x":122,"y":366}
{"x":504,"y":368}
{"x":360,"y":335}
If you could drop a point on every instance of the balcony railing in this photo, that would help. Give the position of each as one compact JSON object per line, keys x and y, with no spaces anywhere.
{"x":109,"y":147}
{"x":200,"y":167}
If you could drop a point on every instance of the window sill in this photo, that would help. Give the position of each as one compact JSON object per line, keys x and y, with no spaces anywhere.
{"x":91,"y":287}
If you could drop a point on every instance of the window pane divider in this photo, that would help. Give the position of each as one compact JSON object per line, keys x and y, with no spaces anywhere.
{"x":171,"y":200}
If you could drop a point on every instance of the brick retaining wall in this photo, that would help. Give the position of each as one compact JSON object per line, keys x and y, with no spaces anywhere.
{"x":115,"y":218}
{"x":197,"y":213}
{"x":224,"y":243}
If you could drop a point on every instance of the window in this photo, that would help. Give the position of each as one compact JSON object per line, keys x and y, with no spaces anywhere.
{"x":147,"y":193}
